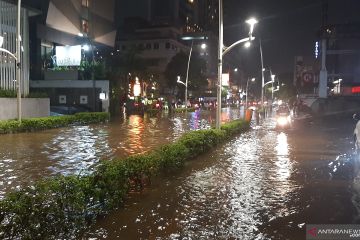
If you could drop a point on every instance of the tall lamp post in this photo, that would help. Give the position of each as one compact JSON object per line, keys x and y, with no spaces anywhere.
{"x":224,"y":50}
{"x":262,"y":75}
{"x":185,"y":84}
{"x":187,"y":74}
{"x":203,"y":46}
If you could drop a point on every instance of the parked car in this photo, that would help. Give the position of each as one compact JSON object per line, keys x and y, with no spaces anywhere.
{"x":67,"y":110}
{"x":134,"y":107}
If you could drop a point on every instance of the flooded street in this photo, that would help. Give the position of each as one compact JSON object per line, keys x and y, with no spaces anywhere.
{"x":26,"y":157}
{"x":264,"y":184}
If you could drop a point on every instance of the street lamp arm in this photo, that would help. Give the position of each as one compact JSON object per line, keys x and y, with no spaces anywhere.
{"x":8,"y":52}
{"x":227,"y":49}
{"x":268,"y":83}
{"x":181,"y":82}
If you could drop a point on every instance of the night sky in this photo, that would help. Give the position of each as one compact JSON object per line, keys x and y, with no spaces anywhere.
{"x":287,"y":28}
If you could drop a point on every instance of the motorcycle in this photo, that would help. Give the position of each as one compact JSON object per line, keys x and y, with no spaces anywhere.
{"x":283,"y":118}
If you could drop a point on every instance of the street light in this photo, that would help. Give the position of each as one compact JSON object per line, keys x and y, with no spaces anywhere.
{"x":262,"y":75}
{"x":222,"y":51}
{"x":247,"y":85}
{"x":203,"y":46}
{"x":185,"y":84}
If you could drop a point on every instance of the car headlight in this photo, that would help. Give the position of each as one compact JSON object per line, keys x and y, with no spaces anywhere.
{"x":282,"y":121}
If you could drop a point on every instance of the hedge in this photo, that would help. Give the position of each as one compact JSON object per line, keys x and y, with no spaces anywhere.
{"x":35,"y":124}
{"x":64,"y":207}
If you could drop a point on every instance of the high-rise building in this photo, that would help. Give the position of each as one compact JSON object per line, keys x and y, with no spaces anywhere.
{"x":176,"y":13}
{"x":208,"y":15}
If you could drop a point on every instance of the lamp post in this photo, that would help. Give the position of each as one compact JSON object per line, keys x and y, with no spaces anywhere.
{"x":247,"y":86}
{"x":203,"y":47}
{"x":222,"y":51}
{"x":18,"y":60}
{"x":185,"y":84}
{"x":187,"y":74}
{"x":262,"y":75}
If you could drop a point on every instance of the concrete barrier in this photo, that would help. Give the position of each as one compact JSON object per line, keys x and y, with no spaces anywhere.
{"x":31,"y":107}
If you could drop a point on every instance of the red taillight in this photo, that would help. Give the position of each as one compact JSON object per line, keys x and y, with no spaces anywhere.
{"x":355,"y":89}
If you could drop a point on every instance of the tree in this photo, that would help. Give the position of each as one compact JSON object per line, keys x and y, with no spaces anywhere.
{"x":178,"y":66}
{"x":123,"y":68}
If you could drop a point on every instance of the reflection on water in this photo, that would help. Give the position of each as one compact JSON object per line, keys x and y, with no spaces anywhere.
{"x":228,"y":194}
{"x":26,"y":157}
{"x":265,"y":184}
{"x":76,"y":150}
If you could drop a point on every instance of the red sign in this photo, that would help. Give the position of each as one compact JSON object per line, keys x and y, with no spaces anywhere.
{"x":355,"y":89}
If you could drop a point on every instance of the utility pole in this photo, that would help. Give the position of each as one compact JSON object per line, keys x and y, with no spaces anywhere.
{"x":323,"y":71}
{"x":18,"y":60}
{"x":220,"y":57}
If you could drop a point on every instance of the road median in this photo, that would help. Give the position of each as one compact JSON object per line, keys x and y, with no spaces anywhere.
{"x":64,"y":207}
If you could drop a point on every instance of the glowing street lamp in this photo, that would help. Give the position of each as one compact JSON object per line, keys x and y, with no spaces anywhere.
{"x":137,"y":88}
{"x":251,"y":22}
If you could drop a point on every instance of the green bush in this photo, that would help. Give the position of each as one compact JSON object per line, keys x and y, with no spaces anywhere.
{"x":7,"y":93}
{"x":36,"y":124}
{"x":63,"y":207}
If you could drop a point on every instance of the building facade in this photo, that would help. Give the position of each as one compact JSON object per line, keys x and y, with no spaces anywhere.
{"x":8,"y":19}
{"x":70,"y":22}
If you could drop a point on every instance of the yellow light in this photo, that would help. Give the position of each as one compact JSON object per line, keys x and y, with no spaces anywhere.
{"x":137,"y":88}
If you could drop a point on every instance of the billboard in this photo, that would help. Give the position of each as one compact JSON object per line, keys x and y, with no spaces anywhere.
{"x":68,"y":55}
{"x":225,"y":79}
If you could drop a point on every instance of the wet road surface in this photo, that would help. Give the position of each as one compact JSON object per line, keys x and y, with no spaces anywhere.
{"x":26,"y":157}
{"x":264,"y":184}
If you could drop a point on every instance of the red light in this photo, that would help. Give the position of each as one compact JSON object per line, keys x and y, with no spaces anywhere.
{"x":157,"y":105}
{"x":355,"y":89}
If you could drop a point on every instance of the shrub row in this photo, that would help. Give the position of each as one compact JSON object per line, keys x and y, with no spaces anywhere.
{"x":64,"y":207}
{"x":34,"y":124}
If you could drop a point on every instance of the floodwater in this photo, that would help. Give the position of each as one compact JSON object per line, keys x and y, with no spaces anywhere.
{"x":26,"y":157}
{"x":264,"y":184}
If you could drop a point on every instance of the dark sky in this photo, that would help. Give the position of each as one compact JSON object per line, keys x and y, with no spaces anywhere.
{"x":287,"y":28}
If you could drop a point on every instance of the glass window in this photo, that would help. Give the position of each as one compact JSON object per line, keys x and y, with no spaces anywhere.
{"x":156,"y":45}
{"x":167,"y":45}
{"x":148,"y":46}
